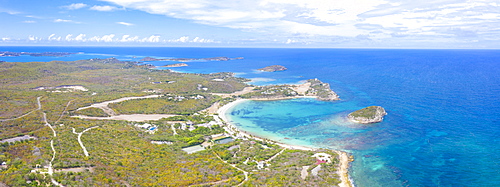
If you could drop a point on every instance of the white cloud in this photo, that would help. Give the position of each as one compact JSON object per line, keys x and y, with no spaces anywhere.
{"x":50,"y":37}
{"x":29,"y":21}
{"x":65,"y":21}
{"x":320,"y":20}
{"x":53,"y":37}
{"x":186,"y":39}
{"x":112,"y":38}
{"x":80,"y":37}
{"x":316,"y":17}
{"x":290,"y":41}
{"x":127,"y":38}
{"x":68,"y":37}
{"x":153,"y":38}
{"x":125,"y":23}
{"x":8,"y":11}
{"x":31,"y":16}
{"x":103,"y":8}
{"x":182,"y":39}
{"x":34,"y":38}
{"x":75,"y":6}
{"x":107,"y":38}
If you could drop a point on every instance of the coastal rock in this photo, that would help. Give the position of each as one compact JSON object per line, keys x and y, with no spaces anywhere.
{"x":273,"y":68}
{"x":175,"y":65}
{"x":321,"y":90}
{"x":371,"y":114}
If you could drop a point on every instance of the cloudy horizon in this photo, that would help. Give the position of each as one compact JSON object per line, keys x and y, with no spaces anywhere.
{"x":264,"y":23}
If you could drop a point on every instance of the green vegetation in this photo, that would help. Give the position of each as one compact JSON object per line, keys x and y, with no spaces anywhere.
{"x":93,"y":112}
{"x":273,"y":68}
{"x":321,"y":90}
{"x":368,"y":112}
{"x":197,"y":119}
{"x":169,"y":104}
{"x":283,"y":170}
{"x":271,"y":92}
{"x":121,"y":154}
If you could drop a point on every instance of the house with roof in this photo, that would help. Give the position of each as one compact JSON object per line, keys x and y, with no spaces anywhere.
{"x":322,"y":158}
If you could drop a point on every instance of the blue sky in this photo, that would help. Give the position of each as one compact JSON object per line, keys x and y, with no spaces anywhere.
{"x":253,"y":23}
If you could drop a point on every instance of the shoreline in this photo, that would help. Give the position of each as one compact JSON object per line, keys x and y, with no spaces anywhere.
{"x":344,"y":157}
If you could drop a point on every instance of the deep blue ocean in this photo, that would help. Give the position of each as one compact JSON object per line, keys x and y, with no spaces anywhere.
{"x":443,"y":122}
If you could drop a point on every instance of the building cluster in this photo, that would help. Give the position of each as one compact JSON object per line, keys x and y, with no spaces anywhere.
{"x":181,"y":98}
{"x":149,"y":128}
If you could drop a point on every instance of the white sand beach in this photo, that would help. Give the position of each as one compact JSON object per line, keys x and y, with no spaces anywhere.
{"x":343,"y":170}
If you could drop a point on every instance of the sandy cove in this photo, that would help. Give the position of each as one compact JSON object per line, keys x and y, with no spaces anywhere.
{"x":345,"y":159}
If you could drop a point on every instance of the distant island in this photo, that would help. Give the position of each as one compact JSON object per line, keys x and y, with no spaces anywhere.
{"x":175,"y":65}
{"x":7,"y":53}
{"x":273,"y":68}
{"x":191,"y":59}
{"x":371,"y":114}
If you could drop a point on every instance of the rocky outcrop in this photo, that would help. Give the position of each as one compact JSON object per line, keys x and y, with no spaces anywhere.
{"x":273,"y":68}
{"x":371,"y":114}
{"x":321,"y":90}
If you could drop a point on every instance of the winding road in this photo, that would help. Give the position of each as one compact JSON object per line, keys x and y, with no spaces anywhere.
{"x":50,"y":169}
{"x":39,"y":108}
{"x":234,"y":166}
{"x":85,"y":152}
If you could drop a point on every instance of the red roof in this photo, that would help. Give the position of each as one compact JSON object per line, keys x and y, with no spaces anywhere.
{"x":318,"y":162}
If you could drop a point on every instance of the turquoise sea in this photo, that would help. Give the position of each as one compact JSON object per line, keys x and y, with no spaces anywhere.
{"x":443,"y":122}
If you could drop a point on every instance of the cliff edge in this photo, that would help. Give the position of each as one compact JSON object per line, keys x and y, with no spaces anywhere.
{"x":321,"y":90}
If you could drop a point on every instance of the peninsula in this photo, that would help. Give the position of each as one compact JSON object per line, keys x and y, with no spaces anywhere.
{"x":321,"y":90}
{"x":312,"y":88}
{"x":371,"y":114}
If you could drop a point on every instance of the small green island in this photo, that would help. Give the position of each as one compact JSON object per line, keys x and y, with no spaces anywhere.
{"x":273,"y":68}
{"x":106,"y":122}
{"x":371,"y":114}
